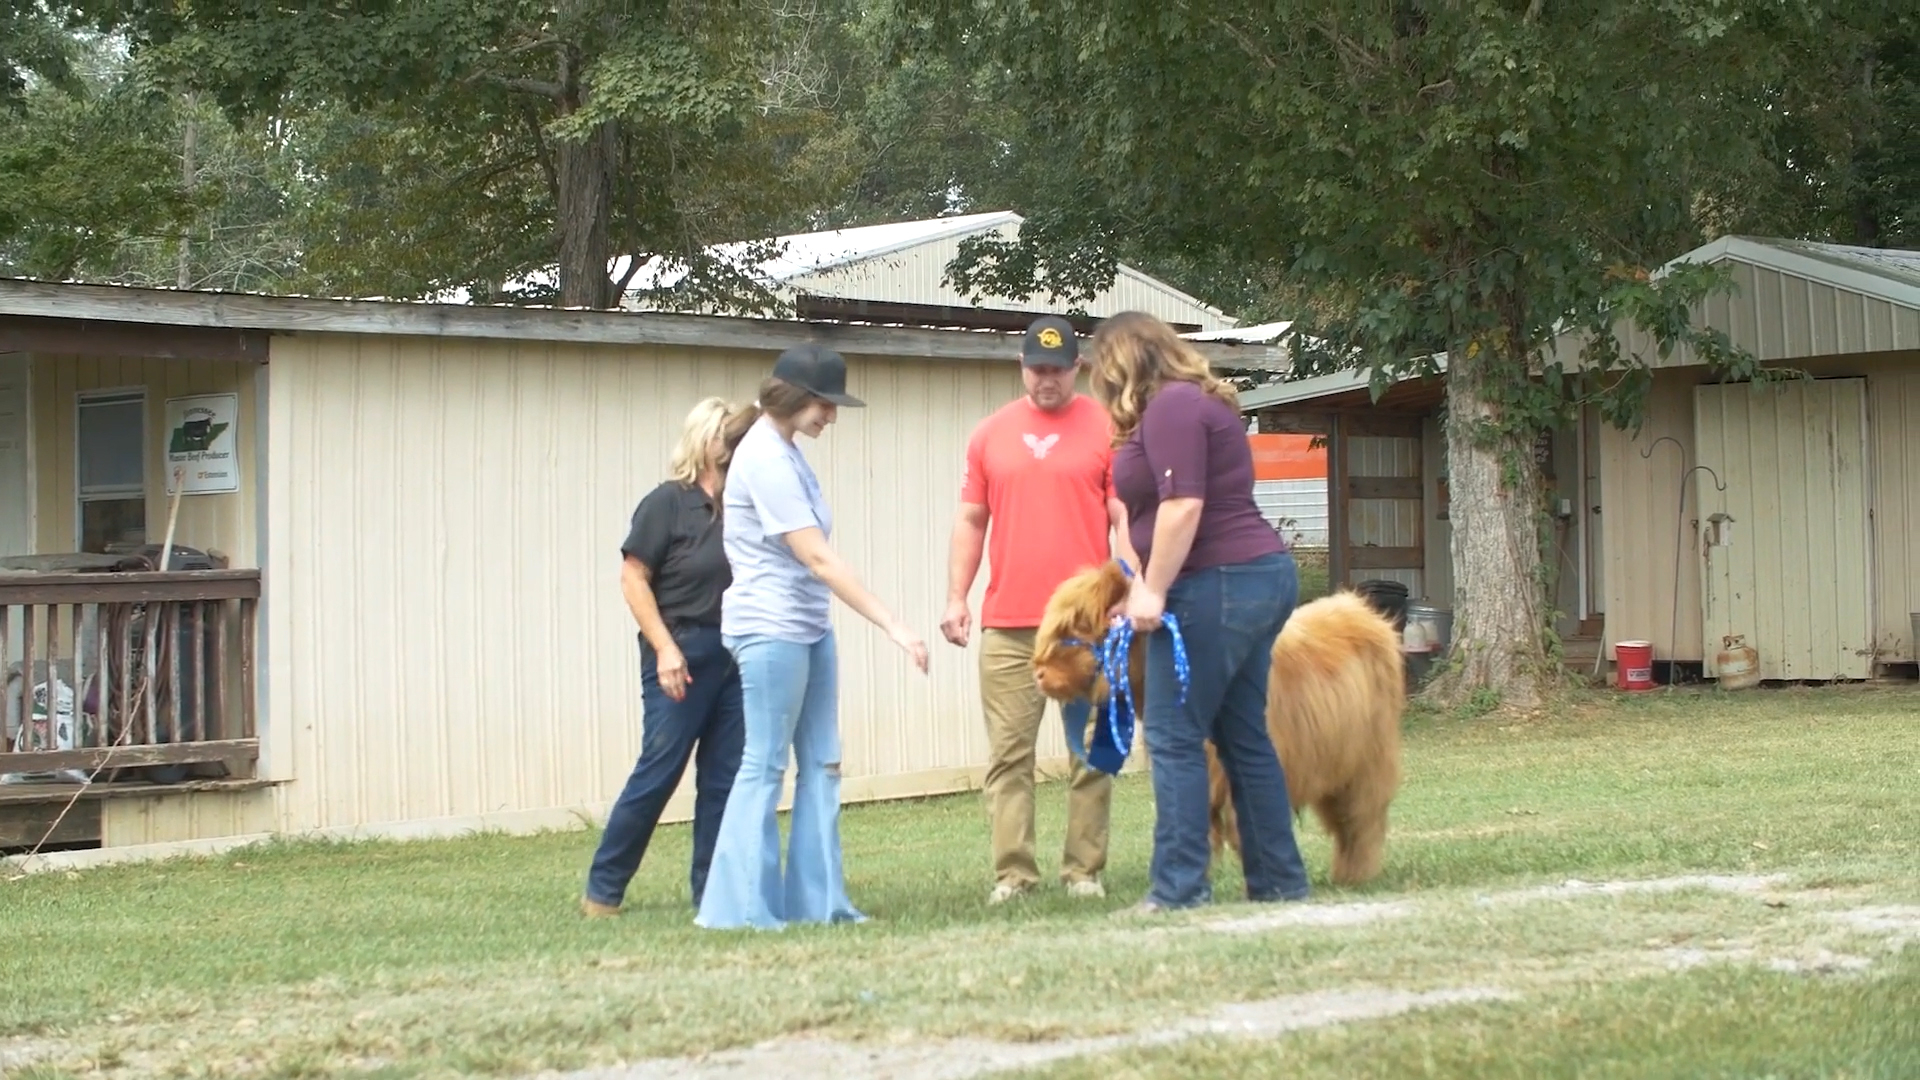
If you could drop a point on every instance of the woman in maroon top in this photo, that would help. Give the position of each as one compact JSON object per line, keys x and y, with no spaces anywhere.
{"x":1184,"y":469}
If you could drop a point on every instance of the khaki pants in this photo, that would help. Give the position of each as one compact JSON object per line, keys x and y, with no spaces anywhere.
{"x":1014,"y":708}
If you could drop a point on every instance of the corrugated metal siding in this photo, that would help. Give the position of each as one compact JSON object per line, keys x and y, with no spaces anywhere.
{"x":1298,"y":508}
{"x":170,"y":818}
{"x":914,"y":275}
{"x":1641,"y":520}
{"x":1894,"y":403}
{"x":1780,"y":317}
{"x":1794,"y":580}
{"x":224,"y":522}
{"x":446,"y":629}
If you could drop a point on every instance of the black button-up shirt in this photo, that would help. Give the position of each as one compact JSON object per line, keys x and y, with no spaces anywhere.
{"x":676,"y":535}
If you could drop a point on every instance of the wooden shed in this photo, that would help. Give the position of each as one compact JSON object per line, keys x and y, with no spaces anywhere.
{"x":1785,"y":512}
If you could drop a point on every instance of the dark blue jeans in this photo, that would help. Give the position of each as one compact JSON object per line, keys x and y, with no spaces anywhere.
{"x":709,"y":716}
{"x":1229,"y":617}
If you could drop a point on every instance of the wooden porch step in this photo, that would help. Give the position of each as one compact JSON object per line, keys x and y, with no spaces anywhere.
{"x":40,"y":793}
{"x":1580,"y":651}
{"x":38,"y":815}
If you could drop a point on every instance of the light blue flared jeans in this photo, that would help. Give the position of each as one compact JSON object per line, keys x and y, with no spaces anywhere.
{"x":790,"y":695}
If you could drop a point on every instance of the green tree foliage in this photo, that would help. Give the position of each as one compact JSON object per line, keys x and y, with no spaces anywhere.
{"x":1467,"y":178}
{"x":87,"y":165}
{"x":1842,"y":159}
{"x":466,"y":143}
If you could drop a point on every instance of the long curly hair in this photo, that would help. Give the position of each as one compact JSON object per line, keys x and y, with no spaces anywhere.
{"x":1134,"y":355}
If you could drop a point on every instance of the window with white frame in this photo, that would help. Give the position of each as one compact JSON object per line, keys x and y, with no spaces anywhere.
{"x":111,"y":466}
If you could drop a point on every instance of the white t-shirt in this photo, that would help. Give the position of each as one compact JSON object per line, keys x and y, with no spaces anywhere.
{"x":771,"y":491}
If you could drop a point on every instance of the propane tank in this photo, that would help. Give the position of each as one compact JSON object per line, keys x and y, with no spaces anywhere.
{"x":1737,"y":663}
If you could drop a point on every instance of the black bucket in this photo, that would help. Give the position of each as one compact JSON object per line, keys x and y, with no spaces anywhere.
{"x":1389,"y":598}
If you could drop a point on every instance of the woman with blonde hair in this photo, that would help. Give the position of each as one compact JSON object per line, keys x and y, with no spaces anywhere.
{"x":673,"y":573}
{"x":1184,"y":469}
{"x":785,"y":574}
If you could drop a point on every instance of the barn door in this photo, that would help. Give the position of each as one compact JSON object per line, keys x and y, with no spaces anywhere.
{"x":1785,"y":548}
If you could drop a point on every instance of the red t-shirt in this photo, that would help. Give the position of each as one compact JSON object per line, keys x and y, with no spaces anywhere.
{"x":1044,"y":479}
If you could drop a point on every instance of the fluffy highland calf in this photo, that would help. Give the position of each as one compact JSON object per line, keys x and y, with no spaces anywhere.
{"x":1334,"y":700}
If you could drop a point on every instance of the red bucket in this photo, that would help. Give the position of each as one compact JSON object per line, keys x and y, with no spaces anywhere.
{"x":1633,"y":665}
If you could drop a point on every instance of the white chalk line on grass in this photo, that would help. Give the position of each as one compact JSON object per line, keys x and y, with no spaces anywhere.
{"x":959,"y":1059}
{"x":1361,"y":913}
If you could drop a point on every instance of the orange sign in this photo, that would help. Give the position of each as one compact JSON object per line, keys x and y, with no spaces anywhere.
{"x":1287,"y":457}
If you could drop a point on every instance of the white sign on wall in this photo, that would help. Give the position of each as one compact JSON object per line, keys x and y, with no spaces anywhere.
{"x":200,"y":443}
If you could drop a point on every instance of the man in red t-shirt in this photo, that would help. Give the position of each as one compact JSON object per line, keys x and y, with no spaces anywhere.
{"x":1040,"y":470}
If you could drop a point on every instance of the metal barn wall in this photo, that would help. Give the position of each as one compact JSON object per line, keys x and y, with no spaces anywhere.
{"x":1893,"y":428}
{"x":1641,"y":516}
{"x":914,"y":275}
{"x":1794,"y":575}
{"x":1781,"y":318}
{"x":448,"y":644}
{"x":227,"y":522}
{"x":1641,"y":520}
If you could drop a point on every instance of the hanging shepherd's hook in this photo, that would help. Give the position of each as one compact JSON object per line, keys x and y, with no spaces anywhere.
{"x":1648,"y":452}
{"x":1680,"y":514}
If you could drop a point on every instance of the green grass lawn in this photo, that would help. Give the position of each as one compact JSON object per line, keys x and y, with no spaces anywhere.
{"x":467,"y":957}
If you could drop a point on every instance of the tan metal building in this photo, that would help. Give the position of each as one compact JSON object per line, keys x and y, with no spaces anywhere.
{"x":1787,"y":513}
{"x":418,"y":628}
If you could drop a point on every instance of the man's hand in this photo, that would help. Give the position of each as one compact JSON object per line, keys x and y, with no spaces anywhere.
{"x":674,"y":676}
{"x":956,"y":623}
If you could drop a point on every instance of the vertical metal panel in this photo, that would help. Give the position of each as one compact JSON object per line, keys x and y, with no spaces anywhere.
{"x":16,"y":457}
{"x":1642,"y":521}
{"x":449,"y":636}
{"x":1894,"y":421}
{"x":224,"y":522}
{"x":916,"y":275}
{"x":169,"y":818}
{"x":1794,"y":577}
{"x":1780,"y":318}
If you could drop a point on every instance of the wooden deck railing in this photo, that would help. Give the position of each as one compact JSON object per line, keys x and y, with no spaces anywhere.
{"x":153,"y":672}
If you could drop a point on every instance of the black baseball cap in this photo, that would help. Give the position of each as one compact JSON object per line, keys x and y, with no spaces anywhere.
{"x":1050,"y":342}
{"x":819,"y":371}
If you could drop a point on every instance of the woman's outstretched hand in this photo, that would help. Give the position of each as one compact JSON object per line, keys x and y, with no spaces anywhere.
{"x":911,"y":642}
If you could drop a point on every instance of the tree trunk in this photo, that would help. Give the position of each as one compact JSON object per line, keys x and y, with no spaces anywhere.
{"x":1499,"y":648}
{"x":585,"y":206}
{"x":189,"y":140}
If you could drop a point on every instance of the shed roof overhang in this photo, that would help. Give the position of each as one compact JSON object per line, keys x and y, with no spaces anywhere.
{"x":1347,"y":391}
{"x":73,"y":310}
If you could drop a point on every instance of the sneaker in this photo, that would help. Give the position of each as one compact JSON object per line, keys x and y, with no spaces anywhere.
{"x":1142,"y":910}
{"x":1004,"y":892}
{"x":1086,"y":889}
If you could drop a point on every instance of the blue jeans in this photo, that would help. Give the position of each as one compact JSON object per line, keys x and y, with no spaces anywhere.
{"x":791,"y":694}
{"x":1229,"y":617}
{"x":709,"y":716}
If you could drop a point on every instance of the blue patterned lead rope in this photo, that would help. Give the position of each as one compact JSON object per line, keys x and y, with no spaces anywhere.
{"x":1112,"y":652}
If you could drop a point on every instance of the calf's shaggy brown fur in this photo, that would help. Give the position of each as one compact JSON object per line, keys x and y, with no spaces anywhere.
{"x":1335,"y":695}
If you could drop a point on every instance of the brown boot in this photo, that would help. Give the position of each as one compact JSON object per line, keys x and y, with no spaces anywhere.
{"x":594,"y":910}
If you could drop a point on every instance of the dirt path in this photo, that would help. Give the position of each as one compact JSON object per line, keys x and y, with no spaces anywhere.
{"x":957,"y":1059}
